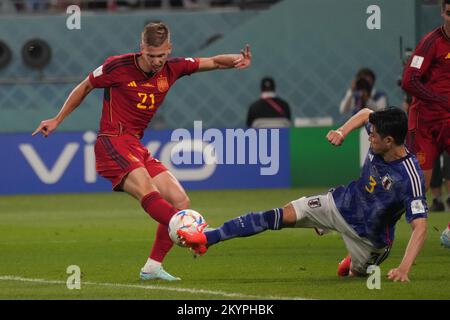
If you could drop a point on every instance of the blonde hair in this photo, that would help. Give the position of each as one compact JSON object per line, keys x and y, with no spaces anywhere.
{"x":155,"y":33}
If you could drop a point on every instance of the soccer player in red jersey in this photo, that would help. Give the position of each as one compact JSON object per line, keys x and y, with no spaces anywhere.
{"x":135,"y":86}
{"x":426,"y":79}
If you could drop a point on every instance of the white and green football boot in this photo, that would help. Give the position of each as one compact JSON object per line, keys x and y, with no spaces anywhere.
{"x":161,"y":274}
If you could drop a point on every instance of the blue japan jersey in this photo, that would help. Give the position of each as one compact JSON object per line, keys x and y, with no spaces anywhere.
{"x":374,"y":203}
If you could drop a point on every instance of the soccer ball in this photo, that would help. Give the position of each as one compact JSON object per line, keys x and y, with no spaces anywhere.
{"x":445,"y":237}
{"x":189,"y":220}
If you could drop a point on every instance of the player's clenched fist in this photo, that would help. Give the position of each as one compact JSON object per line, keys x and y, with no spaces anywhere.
{"x":46,"y":127}
{"x":335,"y":137}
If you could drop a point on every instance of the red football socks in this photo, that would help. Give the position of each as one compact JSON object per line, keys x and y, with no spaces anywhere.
{"x":158,"y":208}
{"x":162,"y":244}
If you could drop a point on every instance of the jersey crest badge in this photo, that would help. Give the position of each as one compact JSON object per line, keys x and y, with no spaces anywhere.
{"x":163,"y":84}
{"x":386,"y":182}
{"x":448,"y":56}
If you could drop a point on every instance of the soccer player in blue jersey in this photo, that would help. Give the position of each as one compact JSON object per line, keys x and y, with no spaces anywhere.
{"x":364,"y":212}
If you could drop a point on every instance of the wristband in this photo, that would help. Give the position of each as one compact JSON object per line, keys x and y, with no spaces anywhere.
{"x":340,"y":133}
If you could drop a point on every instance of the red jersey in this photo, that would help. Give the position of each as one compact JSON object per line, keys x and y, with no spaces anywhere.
{"x":426,"y":77}
{"x":132,"y":96}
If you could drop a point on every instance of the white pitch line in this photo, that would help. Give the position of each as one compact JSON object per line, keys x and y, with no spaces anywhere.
{"x":150,"y":287}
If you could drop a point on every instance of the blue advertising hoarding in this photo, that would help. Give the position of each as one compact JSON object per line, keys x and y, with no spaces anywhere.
{"x":200,"y":159}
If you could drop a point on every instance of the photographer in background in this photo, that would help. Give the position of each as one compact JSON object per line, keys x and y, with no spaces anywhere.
{"x":377,"y":100}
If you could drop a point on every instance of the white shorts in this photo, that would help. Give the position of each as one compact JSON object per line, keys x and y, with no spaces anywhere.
{"x":320,"y":212}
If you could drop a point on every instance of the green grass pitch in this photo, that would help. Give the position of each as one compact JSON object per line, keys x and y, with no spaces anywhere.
{"x":109,"y":237}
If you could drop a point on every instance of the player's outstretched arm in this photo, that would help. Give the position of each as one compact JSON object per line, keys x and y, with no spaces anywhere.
{"x":73,"y":101}
{"x":416,"y":241}
{"x":227,"y":61}
{"x":337,"y":137}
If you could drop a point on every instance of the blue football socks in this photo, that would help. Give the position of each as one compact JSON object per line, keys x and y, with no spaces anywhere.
{"x":247,"y":225}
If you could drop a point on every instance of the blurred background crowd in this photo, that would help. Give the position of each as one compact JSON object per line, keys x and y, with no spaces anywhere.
{"x":33,"y":6}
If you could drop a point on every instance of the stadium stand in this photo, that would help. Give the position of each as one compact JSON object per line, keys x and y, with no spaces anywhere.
{"x":55,"y":6}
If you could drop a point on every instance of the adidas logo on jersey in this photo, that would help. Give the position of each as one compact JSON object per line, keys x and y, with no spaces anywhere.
{"x":134,"y":84}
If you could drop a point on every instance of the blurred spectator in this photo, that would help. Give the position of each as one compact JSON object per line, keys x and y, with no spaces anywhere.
{"x":151,"y":3}
{"x":269,"y":109}
{"x":8,"y":6}
{"x":441,"y":171}
{"x":37,"y":5}
{"x":352,"y":100}
{"x":255,"y":4}
{"x":221,"y":2}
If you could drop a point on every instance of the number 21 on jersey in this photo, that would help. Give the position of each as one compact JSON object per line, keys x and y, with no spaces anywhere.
{"x":147,"y":101}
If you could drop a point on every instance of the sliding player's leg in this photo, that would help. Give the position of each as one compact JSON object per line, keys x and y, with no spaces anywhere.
{"x":298,"y":213}
{"x":242,"y":226}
